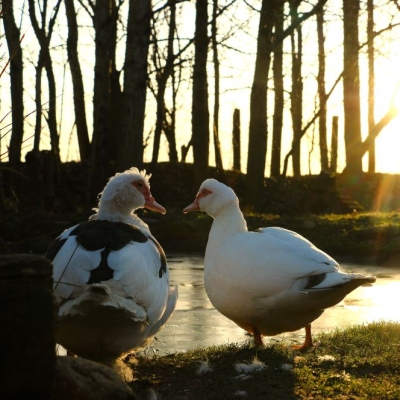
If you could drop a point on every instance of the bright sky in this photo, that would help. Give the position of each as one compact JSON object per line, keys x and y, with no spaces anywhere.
{"x":237,"y":74}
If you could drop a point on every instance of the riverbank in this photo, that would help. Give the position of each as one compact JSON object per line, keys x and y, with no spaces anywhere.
{"x":336,"y":216}
{"x":356,"y":363}
{"x":359,"y":238}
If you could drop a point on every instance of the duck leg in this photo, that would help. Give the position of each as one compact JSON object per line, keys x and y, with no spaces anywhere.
{"x":70,"y":354}
{"x":257,"y":337}
{"x":307,"y":342}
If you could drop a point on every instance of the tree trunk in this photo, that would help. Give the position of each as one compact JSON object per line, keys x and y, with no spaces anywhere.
{"x":169,"y":129}
{"x":279,"y":95}
{"x":375,"y":130}
{"x":296,"y":96}
{"x":45,"y":61}
{"x":162,"y":78}
{"x":77,"y":82}
{"x":305,"y":129}
{"x":371,"y":82}
{"x":288,"y":31}
{"x":52,"y":116}
{"x":200,"y":111}
{"x":334,"y":144}
{"x":12,"y":34}
{"x":322,"y":92}
{"x":370,"y":139}
{"x":217,"y":145}
{"x":236,"y":140}
{"x":351,"y":88}
{"x":38,"y":103}
{"x":257,"y":149}
{"x":135,"y":83}
{"x":103,"y":153}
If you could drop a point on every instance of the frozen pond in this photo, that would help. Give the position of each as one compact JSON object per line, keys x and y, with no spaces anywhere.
{"x":196,"y":323}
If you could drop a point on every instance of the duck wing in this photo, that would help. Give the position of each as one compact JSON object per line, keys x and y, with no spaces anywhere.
{"x":131,"y":265}
{"x":267,"y":262}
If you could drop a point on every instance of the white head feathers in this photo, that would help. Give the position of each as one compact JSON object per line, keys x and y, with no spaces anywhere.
{"x":116,"y":183}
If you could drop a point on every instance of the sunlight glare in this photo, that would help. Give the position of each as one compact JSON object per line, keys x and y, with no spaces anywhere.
{"x":387,"y":96}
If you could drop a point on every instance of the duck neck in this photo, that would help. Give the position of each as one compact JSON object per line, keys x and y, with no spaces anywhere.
{"x":113,"y":207}
{"x":228,"y":222}
{"x":109,"y":212}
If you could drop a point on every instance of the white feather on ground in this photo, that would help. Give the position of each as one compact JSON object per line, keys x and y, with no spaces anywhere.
{"x":255,"y":366}
{"x":204,"y":368}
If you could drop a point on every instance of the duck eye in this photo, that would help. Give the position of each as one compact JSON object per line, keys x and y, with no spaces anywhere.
{"x":138,"y":185}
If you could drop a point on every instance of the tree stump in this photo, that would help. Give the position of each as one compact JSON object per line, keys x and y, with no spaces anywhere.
{"x":27,"y":344}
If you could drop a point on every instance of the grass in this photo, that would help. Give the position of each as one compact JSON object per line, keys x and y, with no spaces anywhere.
{"x":360,"y":362}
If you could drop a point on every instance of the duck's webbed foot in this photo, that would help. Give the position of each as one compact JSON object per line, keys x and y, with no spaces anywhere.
{"x":257,"y":337}
{"x":307,"y":342}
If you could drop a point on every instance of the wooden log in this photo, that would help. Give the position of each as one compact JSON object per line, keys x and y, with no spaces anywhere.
{"x":27,"y":344}
{"x":334,"y":144}
{"x":236,"y":140}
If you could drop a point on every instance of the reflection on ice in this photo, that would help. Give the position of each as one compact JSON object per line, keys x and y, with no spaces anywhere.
{"x":195,"y":322}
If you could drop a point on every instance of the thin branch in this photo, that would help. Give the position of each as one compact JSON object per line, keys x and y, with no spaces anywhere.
{"x":11,"y":57}
{"x":304,"y":130}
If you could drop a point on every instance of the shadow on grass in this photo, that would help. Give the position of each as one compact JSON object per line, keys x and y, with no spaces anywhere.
{"x":358,"y":362}
{"x":227,"y":374}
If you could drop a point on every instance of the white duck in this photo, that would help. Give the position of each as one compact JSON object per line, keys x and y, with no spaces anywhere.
{"x":269,"y":281}
{"x":111,"y":278}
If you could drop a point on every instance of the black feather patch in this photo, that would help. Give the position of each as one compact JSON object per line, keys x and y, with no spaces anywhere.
{"x":314,"y":280}
{"x":110,"y":236}
{"x":54,"y":248}
{"x":103,"y":272}
{"x":163,"y":258}
{"x":97,"y":234}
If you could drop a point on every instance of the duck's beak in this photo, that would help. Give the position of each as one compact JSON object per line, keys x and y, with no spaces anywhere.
{"x":192,"y":207}
{"x":152,"y":205}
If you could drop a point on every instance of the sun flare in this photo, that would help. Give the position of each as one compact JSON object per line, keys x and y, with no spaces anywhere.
{"x":387,"y":99}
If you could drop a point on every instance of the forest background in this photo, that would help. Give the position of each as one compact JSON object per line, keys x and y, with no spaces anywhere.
{"x":265,"y":89}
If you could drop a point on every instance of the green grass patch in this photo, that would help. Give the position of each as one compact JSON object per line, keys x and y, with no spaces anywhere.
{"x":361,"y":362}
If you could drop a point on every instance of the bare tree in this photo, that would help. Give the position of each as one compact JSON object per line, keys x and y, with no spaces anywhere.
{"x":258,"y":102}
{"x":163,"y":74}
{"x":279,"y":94}
{"x":256,"y":156}
{"x":371,"y":81}
{"x":105,"y":135}
{"x":217,"y":145}
{"x":13,"y":37}
{"x":351,"y":87}
{"x":307,"y":126}
{"x":77,"y":81}
{"x":373,"y":133}
{"x":200,"y":112}
{"x":296,"y":95}
{"x":323,"y":146}
{"x":135,"y":82}
{"x":43,"y":34}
